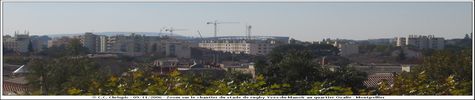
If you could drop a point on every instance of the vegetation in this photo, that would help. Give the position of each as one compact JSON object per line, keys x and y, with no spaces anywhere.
{"x":289,"y":70}
{"x":444,"y":73}
{"x":73,"y":48}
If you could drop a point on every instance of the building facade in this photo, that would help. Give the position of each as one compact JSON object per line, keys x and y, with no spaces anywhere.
{"x":244,"y":46}
{"x":90,"y":41}
{"x":39,"y":43}
{"x":136,"y":45}
{"x":346,"y":48}
{"x":18,"y":43}
{"x":421,"y":42}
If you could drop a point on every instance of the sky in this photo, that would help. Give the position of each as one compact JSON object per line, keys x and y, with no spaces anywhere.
{"x":302,"y":21}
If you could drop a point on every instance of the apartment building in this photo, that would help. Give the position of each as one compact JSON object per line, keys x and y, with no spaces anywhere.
{"x":421,"y":42}
{"x":238,"y":45}
{"x":18,"y":43}
{"x":136,"y":45}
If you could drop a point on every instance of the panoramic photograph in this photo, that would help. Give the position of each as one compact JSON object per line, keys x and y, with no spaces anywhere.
{"x":237,"y":48}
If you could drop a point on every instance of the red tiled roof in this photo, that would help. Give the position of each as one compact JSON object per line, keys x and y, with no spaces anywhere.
{"x":16,"y":88}
{"x":374,"y":79}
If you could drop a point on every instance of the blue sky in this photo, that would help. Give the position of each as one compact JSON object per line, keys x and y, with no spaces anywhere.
{"x":303,"y":21}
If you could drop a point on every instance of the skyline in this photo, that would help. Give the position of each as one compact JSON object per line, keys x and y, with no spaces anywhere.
{"x":302,"y":21}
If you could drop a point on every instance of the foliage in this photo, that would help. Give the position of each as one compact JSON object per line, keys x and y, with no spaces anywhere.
{"x":76,"y":48}
{"x":30,"y":47}
{"x":401,"y":55}
{"x":325,"y":88}
{"x":348,"y":77}
{"x":294,"y":65}
{"x":73,"y":48}
{"x":57,"y":75}
{"x":444,"y":73}
{"x":290,"y":70}
{"x":16,"y":60}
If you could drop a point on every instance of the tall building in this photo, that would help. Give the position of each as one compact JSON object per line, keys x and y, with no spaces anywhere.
{"x":241,"y":45}
{"x":103,"y":43}
{"x":39,"y":43}
{"x":90,"y":41}
{"x":421,"y":42}
{"x":18,"y":43}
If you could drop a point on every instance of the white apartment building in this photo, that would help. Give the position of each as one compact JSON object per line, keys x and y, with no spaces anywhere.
{"x":245,"y":46}
{"x":421,"y":42}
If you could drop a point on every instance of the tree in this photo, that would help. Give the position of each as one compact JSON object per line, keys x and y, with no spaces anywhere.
{"x":75,"y":48}
{"x":444,"y":73}
{"x":30,"y":47}
{"x":326,"y":88}
{"x":38,"y":77}
{"x":154,"y":47}
{"x":56,"y":76}
{"x":348,"y":77}
{"x":401,"y":55}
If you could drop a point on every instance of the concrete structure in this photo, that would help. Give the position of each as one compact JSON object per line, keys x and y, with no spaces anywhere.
{"x":421,"y":42}
{"x":237,"y":45}
{"x":136,"y":45}
{"x":18,"y":43}
{"x":245,"y":68}
{"x":178,"y":49}
{"x":90,"y":41}
{"x":102,"y":44}
{"x":39,"y":43}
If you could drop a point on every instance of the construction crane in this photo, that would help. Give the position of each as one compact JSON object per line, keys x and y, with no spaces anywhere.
{"x":215,"y":23}
{"x":171,"y":30}
{"x":201,"y":37}
{"x":162,"y":29}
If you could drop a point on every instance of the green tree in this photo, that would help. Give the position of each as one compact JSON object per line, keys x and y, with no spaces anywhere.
{"x":56,"y":76}
{"x":30,"y":47}
{"x":444,"y":73}
{"x":348,"y":77}
{"x":75,"y":48}
{"x":401,"y":55}
{"x":326,"y":88}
